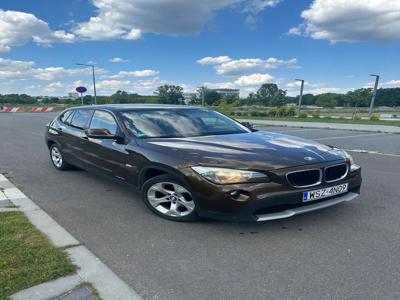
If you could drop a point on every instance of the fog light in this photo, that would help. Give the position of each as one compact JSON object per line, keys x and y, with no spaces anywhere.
{"x":235,"y":194}
{"x":240,"y":196}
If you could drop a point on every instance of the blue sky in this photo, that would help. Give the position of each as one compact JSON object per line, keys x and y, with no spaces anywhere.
{"x":138,"y":45}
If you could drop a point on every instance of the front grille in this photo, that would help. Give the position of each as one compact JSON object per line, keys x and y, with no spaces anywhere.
{"x":335,"y":173}
{"x":304,"y":178}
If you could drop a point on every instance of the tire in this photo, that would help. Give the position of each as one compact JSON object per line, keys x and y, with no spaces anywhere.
{"x":57,"y":158}
{"x":170,"y":199}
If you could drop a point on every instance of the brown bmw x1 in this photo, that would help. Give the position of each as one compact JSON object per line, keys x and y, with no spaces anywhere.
{"x":192,"y":162}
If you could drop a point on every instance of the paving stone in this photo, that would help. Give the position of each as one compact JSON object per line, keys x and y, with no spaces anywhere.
{"x":5,"y":184}
{"x":4,"y":203}
{"x":80,"y":294}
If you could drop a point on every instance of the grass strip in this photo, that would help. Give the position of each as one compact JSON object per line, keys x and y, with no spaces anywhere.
{"x":27,"y":258}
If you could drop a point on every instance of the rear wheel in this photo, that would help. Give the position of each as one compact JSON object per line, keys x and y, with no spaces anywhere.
{"x":169,"y":198}
{"x":57,"y":158}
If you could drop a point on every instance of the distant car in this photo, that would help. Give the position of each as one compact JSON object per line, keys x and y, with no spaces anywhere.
{"x":192,"y":162}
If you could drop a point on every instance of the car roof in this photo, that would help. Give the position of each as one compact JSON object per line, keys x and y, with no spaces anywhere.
{"x":120,"y":107}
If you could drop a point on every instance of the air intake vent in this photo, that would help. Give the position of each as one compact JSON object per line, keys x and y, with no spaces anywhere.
{"x":304,"y":178}
{"x":335,"y":173}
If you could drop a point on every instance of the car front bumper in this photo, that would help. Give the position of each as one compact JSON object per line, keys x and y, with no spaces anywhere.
{"x":264,"y":201}
{"x":307,"y":208}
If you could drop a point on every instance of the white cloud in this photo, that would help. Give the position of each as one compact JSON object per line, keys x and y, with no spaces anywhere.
{"x":351,"y":21}
{"x":306,"y":83}
{"x":144,"y":86}
{"x":393,"y":82}
{"x":214,"y":60}
{"x":256,"y":6}
{"x":129,"y":19}
{"x":137,"y":73}
{"x":117,"y":60}
{"x":134,"y":34}
{"x":15,"y":69}
{"x":249,"y":65}
{"x":19,"y":28}
{"x":253,"y":79}
{"x":53,"y":87}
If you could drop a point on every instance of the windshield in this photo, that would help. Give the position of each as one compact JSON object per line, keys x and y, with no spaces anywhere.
{"x":166,"y":123}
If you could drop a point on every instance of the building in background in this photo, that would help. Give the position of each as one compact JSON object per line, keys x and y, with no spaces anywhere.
{"x":73,"y":95}
{"x":227,"y":92}
{"x":188,"y":96}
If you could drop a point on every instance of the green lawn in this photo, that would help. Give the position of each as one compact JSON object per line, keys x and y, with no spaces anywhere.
{"x":27,"y":258}
{"x":324,"y":120}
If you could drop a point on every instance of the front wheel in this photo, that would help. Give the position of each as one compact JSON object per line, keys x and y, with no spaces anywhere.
{"x":57,"y":158}
{"x":169,"y":198}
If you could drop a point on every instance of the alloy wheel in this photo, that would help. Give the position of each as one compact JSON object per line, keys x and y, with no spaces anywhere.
{"x":170,"y":199}
{"x":56,"y":157}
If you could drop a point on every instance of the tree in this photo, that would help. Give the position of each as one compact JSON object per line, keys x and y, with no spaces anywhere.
{"x":270,"y":95}
{"x":360,"y":97}
{"x":170,"y":94}
{"x":326,"y":100}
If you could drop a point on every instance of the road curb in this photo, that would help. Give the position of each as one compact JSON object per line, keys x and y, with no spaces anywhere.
{"x":321,"y":125}
{"x":91,"y":269}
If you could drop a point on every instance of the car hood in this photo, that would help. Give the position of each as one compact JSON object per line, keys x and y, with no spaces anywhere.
{"x":257,"y":150}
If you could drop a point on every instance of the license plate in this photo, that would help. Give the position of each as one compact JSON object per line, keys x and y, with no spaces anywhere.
{"x":325,"y":193}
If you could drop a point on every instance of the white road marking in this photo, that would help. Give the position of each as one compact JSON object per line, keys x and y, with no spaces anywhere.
{"x":372,"y":152}
{"x":348,"y":136}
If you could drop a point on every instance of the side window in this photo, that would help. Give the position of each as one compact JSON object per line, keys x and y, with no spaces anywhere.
{"x":103,"y":120}
{"x":80,"y":118}
{"x":65,"y":116}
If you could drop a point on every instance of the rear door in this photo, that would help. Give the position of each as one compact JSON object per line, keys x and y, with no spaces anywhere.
{"x":75,"y":135}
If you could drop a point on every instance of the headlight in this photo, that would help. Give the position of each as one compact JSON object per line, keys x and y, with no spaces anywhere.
{"x":353,"y":166}
{"x":229,"y":176}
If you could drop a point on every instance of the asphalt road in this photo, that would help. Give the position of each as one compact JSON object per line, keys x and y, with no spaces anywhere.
{"x":349,"y":251}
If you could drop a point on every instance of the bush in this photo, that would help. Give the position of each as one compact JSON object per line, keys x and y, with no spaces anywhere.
{"x":292,"y":111}
{"x":356,"y":117}
{"x":342,"y":118}
{"x":328,"y":117}
{"x":303,"y":115}
{"x":375,"y":117}
{"x":272,"y":112}
{"x":238,"y":113}
{"x":283,"y":111}
{"x":315,"y":114}
{"x":253,"y":113}
{"x":263,"y":114}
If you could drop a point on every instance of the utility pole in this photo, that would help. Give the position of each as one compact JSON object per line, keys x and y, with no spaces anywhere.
{"x":371,"y":107}
{"x":203,"y":92}
{"x":301,"y":94}
{"x":94,"y":80}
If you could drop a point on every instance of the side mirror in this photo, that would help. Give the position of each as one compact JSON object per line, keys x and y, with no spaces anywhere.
{"x":249,"y":125}
{"x":103,"y":133}
{"x":99,"y":133}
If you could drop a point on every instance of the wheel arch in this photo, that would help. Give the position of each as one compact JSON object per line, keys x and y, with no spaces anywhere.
{"x":155,"y":169}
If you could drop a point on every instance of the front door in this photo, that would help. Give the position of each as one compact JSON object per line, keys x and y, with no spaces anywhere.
{"x":107,"y":154}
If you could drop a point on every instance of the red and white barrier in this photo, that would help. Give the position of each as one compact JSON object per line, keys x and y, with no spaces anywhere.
{"x":11,"y":109}
{"x":43,"y":109}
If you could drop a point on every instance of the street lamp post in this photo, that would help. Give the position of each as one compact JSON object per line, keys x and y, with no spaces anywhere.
{"x":371,"y":107}
{"x":301,"y":94}
{"x":203,"y":92}
{"x":94,"y":80}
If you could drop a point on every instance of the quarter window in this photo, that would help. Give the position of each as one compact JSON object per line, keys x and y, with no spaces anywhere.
{"x":80,"y":118}
{"x":65,"y":116}
{"x":104,"y":120}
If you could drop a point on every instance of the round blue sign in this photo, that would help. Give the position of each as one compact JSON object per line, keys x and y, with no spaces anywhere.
{"x":81,"y":89}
